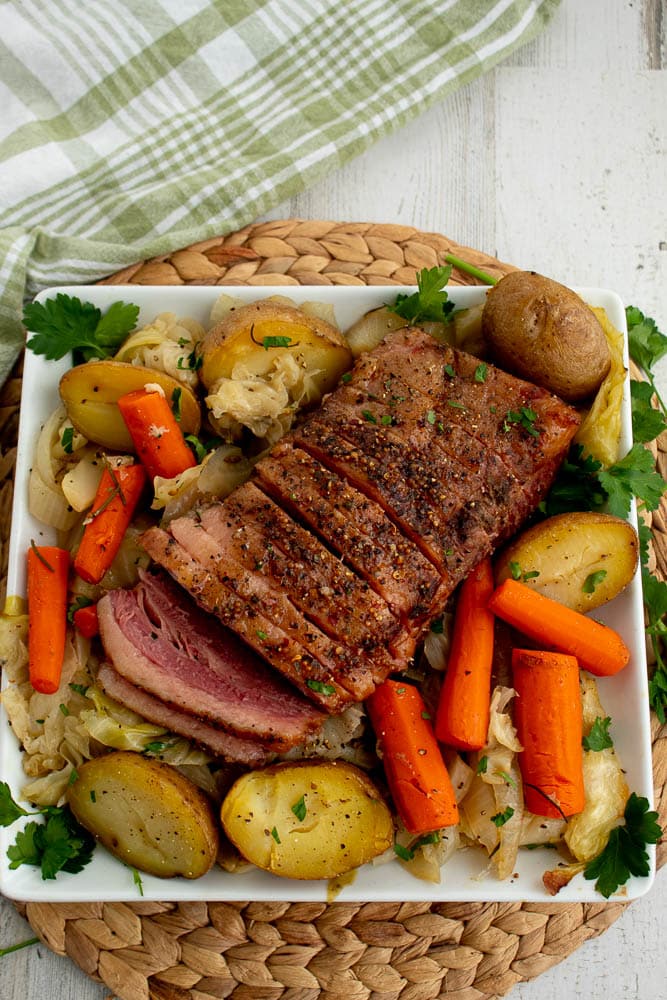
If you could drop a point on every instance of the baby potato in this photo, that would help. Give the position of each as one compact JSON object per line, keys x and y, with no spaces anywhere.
{"x":307,"y":820}
{"x":544,"y":332}
{"x":146,"y":813}
{"x":257,"y":335}
{"x":581,"y":560}
{"x":91,"y":392}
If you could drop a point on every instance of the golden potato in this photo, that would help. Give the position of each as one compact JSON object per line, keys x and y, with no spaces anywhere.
{"x":544,"y":332}
{"x":307,"y":820}
{"x":146,"y":813}
{"x":581,"y":560}
{"x":263,"y":362}
{"x":91,"y":392}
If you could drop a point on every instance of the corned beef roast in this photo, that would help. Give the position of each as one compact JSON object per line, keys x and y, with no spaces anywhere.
{"x":352,"y":533}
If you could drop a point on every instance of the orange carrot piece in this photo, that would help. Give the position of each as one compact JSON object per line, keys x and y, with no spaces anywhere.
{"x":115,"y":502}
{"x":596,"y":646}
{"x":86,"y":621}
{"x":548,"y":717}
{"x":48,"y":569}
{"x":416,"y":773}
{"x":462,"y":719}
{"x":156,"y":434}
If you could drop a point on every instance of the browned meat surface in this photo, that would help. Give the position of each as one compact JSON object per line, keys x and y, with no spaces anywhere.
{"x":223,"y":744}
{"x":267,"y":541}
{"x":250,"y":621}
{"x":491,"y":409}
{"x":160,"y":642}
{"x":363,"y":520}
{"x":354,"y":527}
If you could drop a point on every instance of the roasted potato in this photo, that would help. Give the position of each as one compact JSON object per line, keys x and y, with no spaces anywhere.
{"x":581,"y":560}
{"x":307,"y":820}
{"x":544,"y":332}
{"x":91,"y":392}
{"x":146,"y":813}
{"x":264,"y":361}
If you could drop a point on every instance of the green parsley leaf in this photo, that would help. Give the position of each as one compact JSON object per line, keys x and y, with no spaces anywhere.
{"x":404,"y":853}
{"x":525,"y":418}
{"x":482,"y":765}
{"x":481,"y":372}
{"x":593,"y":580}
{"x":176,"y":403}
{"x":577,"y":486}
{"x":10,"y":810}
{"x":503,"y":817}
{"x":81,"y":689}
{"x":429,"y":302}
{"x":299,"y":809}
{"x":648,"y":423}
{"x":646,"y":343}
{"x":320,"y":687}
{"x":202,"y":448}
{"x":64,"y":323}
{"x":66,"y":440}
{"x":275,"y":835}
{"x":136,"y":878}
{"x":633,"y":476}
{"x":625,"y":853}
{"x":598,"y":738}
{"x":367,"y":415}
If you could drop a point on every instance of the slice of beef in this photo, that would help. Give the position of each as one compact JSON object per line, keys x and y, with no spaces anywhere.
{"x":266,"y":540}
{"x":490,"y":403}
{"x":354,"y":527}
{"x":353,"y":671}
{"x":250,"y":621}
{"x":222,"y":744}
{"x":159,"y":641}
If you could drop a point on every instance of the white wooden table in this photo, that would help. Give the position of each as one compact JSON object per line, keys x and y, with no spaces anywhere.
{"x":556,"y":161}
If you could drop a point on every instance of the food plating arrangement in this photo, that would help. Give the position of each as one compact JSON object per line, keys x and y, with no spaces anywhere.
{"x":333,"y":599}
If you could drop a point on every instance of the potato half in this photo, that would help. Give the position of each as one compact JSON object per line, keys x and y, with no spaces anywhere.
{"x":265,"y":361}
{"x":91,"y":392}
{"x":146,"y":813}
{"x":544,"y":332}
{"x":581,"y":560}
{"x":307,"y":820}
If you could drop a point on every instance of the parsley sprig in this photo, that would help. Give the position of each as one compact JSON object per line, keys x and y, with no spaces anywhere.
{"x":57,"y":844}
{"x":625,"y":853}
{"x":65,"y":323}
{"x":430,"y":303}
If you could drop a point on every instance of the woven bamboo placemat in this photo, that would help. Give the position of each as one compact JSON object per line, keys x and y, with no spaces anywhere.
{"x":301,"y":951}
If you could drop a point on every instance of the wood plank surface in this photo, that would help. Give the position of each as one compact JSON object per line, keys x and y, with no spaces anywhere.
{"x":556,"y":161}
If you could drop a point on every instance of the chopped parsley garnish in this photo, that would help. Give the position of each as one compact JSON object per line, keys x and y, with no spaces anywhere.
{"x":66,"y":440}
{"x":517,"y":573}
{"x":64,"y":323}
{"x":299,"y":809}
{"x":367,"y":415}
{"x":430,"y":302}
{"x":275,"y":835}
{"x":598,"y":738}
{"x":482,"y":765}
{"x":625,"y":853}
{"x":81,"y":689}
{"x":481,"y":372}
{"x":449,"y":370}
{"x":431,"y":417}
{"x":136,"y":878}
{"x":502,"y":817}
{"x":176,"y":403}
{"x":525,"y":418}
{"x":320,"y":687}
{"x":202,"y":448}
{"x":193,"y":362}
{"x":593,"y":580}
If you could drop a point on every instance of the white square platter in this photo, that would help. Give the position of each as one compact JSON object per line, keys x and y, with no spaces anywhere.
{"x":624,"y":697}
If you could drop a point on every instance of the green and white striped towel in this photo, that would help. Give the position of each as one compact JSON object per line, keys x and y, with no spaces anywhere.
{"x":131,"y":128}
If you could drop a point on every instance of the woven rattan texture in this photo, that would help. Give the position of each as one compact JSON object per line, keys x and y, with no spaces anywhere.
{"x":282,"y":951}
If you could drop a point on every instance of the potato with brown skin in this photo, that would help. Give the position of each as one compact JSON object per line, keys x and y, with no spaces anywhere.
{"x":146,"y":813}
{"x":581,"y":560}
{"x":307,"y":820}
{"x":91,"y":392}
{"x":545,"y":333}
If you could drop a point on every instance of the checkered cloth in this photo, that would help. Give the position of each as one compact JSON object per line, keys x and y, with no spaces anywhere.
{"x":132,"y":128}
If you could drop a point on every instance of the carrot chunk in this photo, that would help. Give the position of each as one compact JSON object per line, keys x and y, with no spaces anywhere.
{"x":416,"y":773}
{"x":48,"y":569}
{"x":548,"y":718}
{"x":156,"y":434}
{"x":597,"y":647}
{"x":462,"y":718}
{"x":115,"y":502}
{"x":86,"y":621}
